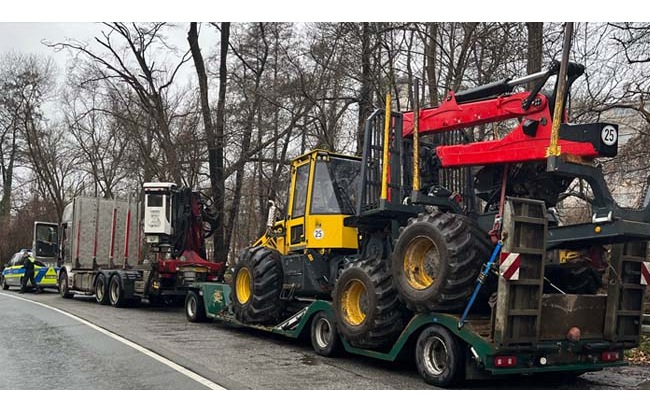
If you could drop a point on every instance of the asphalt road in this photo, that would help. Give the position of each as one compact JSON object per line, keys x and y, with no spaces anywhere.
{"x":43,"y":349}
{"x":238,"y":358}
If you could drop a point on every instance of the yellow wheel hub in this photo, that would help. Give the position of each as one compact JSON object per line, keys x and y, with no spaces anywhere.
{"x":421,"y":262}
{"x":243,"y":285}
{"x":353,"y":301}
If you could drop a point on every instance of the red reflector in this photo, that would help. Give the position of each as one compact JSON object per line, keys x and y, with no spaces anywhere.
{"x":211,"y":278}
{"x":609,"y":356}
{"x":505,"y":361}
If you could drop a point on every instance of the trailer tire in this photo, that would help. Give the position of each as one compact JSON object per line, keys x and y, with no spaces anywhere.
{"x":194,"y":307}
{"x":436,"y":262}
{"x":324,"y":335}
{"x":256,"y":284}
{"x":64,"y":289}
{"x":440,"y":357}
{"x":3,"y":282}
{"x":116,"y":292}
{"x":101,"y":290}
{"x":367,"y":311}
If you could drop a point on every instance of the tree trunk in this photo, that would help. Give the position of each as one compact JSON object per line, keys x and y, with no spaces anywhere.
{"x":365,"y":94}
{"x":432,"y":81}
{"x":215,"y":150}
{"x":534,"y":55}
{"x":220,"y":247}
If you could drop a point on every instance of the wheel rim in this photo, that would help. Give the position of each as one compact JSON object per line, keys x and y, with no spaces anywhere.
{"x":435,"y":356}
{"x":99,"y":289}
{"x":115,"y":291}
{"x":323,"y":332}
{"x":421,"y":262}
{"x":243,"y":285}
{"x":191,"y":306}
{"x":353,"y":302}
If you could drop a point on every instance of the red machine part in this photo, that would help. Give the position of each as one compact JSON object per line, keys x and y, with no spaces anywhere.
{"x":515,"y":147}
{"x":189,"y":261}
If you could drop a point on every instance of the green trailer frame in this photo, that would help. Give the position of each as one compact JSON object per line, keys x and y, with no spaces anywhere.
{"x":559,"y":355}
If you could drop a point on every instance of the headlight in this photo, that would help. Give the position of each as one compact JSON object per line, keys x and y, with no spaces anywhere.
{"x":153,"y":238}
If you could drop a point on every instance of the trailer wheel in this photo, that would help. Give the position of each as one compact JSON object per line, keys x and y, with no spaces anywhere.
{"x":324,"y":336}
{"x":256,"y":284}
{"x":101,"y":288}
{"x":436,"y":262}
{"x":440,"y":357}
{"x":3,"y":283}
{"x":64,"y":290}
{"x":194,"y":307}
{"x":367,"y":311}
{"x":116,"y":292}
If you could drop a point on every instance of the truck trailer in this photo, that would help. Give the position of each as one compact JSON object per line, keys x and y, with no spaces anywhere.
{"x":123,"y":252}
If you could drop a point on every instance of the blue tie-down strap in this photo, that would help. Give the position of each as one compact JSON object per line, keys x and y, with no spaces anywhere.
{"x":479,"y":282}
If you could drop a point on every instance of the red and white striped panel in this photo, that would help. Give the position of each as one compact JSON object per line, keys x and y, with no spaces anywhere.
{"x":645,"y":273}
{"x":510,"y":263}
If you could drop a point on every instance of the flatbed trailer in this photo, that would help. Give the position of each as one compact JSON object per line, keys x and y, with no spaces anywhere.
{"x":484,"y":357}
{"x":526,"y":332}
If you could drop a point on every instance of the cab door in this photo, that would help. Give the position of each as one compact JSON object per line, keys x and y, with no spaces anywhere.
{"x":46,"y":241}
{"x":300,"y":176}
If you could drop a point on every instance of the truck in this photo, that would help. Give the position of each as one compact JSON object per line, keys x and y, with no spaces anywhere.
{"x":124,"y":252}
{"x":447,"y":247}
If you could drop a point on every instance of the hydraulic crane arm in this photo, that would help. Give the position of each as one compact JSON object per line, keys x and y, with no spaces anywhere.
{"x":526,"y":142}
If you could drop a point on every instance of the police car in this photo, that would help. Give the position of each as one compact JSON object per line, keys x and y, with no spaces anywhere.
{"x":44,"y":276}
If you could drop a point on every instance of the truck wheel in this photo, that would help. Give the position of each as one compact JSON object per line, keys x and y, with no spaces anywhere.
{"x":367,"y":311}
{"x":3,"y":282}
{"x":101,"y":288}
{"x":436,"y":262}
{"x":324,"y":336}
{"x":440,"y":357}
{"x":194,"y":307}
{"x":116,"y":292}
{"x":64,"y":290}
{"x":256,"y":285}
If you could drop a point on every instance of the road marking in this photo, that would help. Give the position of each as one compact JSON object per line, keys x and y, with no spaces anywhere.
{"x":192,"y":375}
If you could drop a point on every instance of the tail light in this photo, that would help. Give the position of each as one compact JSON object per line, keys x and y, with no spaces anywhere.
{"x":610,"y":356}
{"x":505,"y":361}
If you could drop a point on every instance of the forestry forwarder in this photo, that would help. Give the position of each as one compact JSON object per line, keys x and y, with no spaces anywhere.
{"x":382,"y":253}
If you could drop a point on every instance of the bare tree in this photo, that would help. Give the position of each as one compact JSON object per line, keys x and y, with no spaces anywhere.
{"x":130,"y":54}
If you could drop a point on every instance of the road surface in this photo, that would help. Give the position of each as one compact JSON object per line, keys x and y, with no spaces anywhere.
{"x":41,"y":348}
{"x":237,"y":358}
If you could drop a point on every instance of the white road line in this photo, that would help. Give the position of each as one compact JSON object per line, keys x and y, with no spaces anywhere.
{"x":194,"y":376}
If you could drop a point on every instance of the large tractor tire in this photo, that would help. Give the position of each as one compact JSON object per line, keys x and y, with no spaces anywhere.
{"x":367,"y":310}
{"x":436,"y":261}
{"x":256,"y":284}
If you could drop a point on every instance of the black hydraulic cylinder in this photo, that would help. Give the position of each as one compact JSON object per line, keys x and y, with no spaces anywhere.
{"x":485,"y":91}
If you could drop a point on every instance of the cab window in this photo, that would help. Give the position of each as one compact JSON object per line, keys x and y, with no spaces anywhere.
{"x":300,"y":194}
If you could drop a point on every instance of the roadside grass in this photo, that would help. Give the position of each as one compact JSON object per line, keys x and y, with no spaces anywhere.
{"x":640,"y":355}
